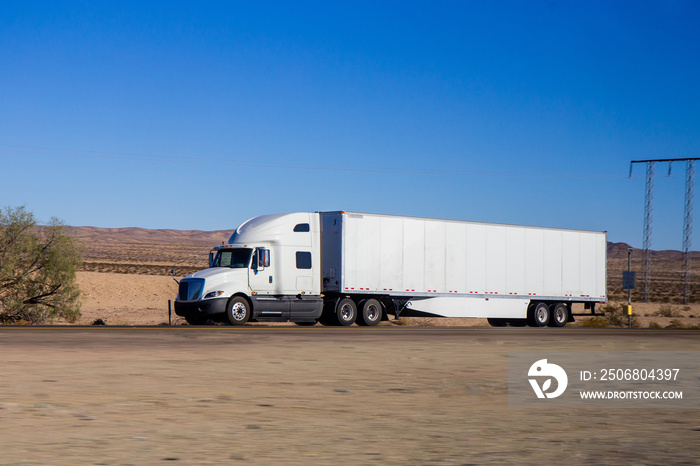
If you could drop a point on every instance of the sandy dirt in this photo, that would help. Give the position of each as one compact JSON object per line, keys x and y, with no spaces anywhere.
{"x":134,"y":299}
{"x":223,"y":395}
{"x":125,"y":299}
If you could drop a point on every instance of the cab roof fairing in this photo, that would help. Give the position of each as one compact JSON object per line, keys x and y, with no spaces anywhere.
{"x":274,"y":228}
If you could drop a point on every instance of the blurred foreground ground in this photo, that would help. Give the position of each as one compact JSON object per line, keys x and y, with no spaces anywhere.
{"x":287,"y":395}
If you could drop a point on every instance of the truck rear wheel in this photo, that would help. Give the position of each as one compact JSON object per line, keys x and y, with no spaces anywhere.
{"x":346,"y":312}
{"x":371,"y":313}
{"x":538,"y":315}
{"x":559,"y":316}
{"x":238,"y":311}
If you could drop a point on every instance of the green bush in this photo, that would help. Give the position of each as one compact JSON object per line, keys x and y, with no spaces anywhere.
{"x":37,"y":270}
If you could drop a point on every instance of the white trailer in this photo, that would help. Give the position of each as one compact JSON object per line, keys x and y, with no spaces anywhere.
{"x":344,"y":268}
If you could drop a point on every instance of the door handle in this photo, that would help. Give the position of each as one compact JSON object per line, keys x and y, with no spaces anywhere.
{"x":270,"y":278}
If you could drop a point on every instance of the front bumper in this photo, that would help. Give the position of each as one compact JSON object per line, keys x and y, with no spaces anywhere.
{"x":201,"y":309}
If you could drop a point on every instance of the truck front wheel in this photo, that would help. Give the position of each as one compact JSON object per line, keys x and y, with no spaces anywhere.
{"x":238,"y":311}
{"x":346,"y":312}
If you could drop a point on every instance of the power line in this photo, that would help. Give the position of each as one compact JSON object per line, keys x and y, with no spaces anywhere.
{"x":687,"y":220}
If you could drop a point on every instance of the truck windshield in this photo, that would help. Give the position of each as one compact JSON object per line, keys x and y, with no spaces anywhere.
{"x":233,"y":258}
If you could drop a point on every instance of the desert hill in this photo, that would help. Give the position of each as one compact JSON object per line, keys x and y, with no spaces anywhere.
{"x":144,"y":251}
{"x":143,"y":235}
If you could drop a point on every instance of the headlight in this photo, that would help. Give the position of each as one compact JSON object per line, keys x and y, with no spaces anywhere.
{"x":213,"y":294}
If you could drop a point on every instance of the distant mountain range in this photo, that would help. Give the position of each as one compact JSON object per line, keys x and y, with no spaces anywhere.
{"x":619,"y":251}
{"x":212,"y":238}
{"x":143,"y":235}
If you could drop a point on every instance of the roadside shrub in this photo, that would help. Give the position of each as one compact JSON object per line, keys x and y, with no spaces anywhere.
{"x":596,"y":322}
{"x":616,"y":315}
{"x":667,"y":311}
{"x":653,"y":324}
{"x":675,"y":323}
{"x":37,"y":270}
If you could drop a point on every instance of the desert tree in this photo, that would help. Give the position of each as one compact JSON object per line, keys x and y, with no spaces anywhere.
{"x":37,"y":269}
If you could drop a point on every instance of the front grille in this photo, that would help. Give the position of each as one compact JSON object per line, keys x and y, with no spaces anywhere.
{"x":190,"y":290}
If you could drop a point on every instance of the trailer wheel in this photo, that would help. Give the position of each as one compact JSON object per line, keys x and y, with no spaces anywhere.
{"x":559,"y":316}
{"x":238,"y":311}
{"x":538,"y":315}
{"x":371,"y":313}
{"x":346,"y":312}
{"x":493,"y":322}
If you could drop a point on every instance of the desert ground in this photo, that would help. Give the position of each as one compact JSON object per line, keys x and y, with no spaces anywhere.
{"x":125,"y":278}
{"x":320,"y":395}
{"x":412,"y":391}
{"x":136,"y":299}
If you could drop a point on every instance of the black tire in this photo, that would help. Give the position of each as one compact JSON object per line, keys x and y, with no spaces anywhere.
{"x":238,"y":311}
{"x":497,"y":322}
{"x":538,"y":315}
{"x":306,"y":324}
{"x":370,"y":314}
{"x":346,"y":312}
{"x":328,"y":315}
{"x":559,"y":315}
{"x":196,"y":320}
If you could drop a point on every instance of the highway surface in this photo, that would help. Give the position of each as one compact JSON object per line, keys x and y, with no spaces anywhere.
{"x":319,"y":395}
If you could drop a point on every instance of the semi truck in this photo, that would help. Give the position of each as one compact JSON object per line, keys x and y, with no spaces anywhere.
{"x":344,"y":268}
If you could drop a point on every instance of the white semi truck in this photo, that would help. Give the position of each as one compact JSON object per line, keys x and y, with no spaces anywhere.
{"x":341,"y":268}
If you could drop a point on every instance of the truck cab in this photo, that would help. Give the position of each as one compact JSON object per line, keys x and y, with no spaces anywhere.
{"x":269,"y":271}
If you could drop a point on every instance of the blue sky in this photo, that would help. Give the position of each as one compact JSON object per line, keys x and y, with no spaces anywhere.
{"x":199,"y":115}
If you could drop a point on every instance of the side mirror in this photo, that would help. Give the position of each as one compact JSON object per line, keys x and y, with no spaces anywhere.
{"x":261,"y":259}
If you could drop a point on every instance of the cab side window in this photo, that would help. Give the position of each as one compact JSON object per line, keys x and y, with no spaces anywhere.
{"x":303,"y":260}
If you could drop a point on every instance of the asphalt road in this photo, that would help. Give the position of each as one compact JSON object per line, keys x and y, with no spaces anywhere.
{"x":319,"y":395}
{"x":213,"y":334}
